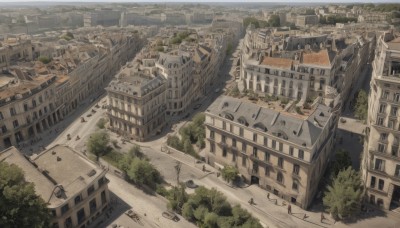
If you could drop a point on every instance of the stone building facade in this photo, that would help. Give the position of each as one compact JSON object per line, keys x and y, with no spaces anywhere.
{"x":76,"y":190}
{"x":381,"y":160}
{"x":282,"y":152}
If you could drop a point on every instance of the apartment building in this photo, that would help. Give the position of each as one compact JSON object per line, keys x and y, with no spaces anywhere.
{"x":177,"y":68}
{"x":27,"y":107}
{"x":75,"y":189}
{"x":14,"y":49}
{"x":381,"y":160}
{"x":281,"y":151}
{"x":137,"y":102}
{"x":304,"y":20}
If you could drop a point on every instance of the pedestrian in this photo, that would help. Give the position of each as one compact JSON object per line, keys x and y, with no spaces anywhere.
{"x":289,"y":209}
{"x":305,"y":216}
{"x":268,"y":195}
{"x":322,"y":217}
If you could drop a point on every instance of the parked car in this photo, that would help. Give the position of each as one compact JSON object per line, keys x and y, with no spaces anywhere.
{"x":191,"y":184}
{"x":197,"y":106}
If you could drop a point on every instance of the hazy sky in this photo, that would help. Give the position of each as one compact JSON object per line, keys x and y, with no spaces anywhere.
{"x":200,"y":1}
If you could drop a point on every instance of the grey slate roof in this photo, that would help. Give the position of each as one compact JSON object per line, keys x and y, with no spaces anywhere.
{"x":303,"y":132}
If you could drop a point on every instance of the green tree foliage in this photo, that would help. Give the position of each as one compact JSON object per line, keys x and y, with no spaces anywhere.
{"x":333,"y":19}
{"x":274,"y":21}
{"x":361,"y":107}
{"x":98,"y":144}
{"x":142,"y":172}
{"x":235,"y":91}
{"x":385,"y":7}
{"x":343,"y":197}
{"x":254,"y":21}
{"x":229,"y":173}
{"x":101,"y":123}
{"x":342,"y":161}
{"x":174,"y":142}
{"x":195,"y":131}
{"x":177,"y":197}
{"x":209,"y":208}
{"x":44,"y":59}
{"x":19,"y":205}
{"x":188,"y":148}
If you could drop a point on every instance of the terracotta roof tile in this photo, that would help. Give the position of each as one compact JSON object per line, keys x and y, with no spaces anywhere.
{"x":317,"y":58}
{"x":277,"y":62}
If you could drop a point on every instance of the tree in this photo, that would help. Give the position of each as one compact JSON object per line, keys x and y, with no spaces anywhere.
{"x":210,"y":220}
{"x":174,"y":142}
{"x":136,"y":151}
{"x":44,"y":59}
{"x":343,"y":197}
{"x":177,"y":198}
{"x":178,"y":167}
{"x":142,"y":172}
{"x":274,"y":21}
{"x":98,"y":144}
{"x":19,"y":205}
{"x":101,"y":123}
{"x":361,"y":107}
{"x":229,"y":173}
{"x":188,"y":148}
{"x":235,"y":91}
{"x":342,"y":161}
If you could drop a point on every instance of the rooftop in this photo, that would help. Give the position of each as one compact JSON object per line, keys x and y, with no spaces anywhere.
{"x":57,"y":166}
{"x":302,"y":130}
{"x":321,"y":58}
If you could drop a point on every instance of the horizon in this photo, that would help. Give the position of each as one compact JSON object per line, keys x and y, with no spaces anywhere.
{"x":205,"y":1}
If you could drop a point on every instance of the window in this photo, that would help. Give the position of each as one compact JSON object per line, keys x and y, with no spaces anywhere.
{"x":265,"y":141}
{"x":13,"y":112}
{"x":291,"y":151}
{"x":212,"y":135}
{"x":372,"y":199}
{"x":212,"y":147}
{"x":296,"y":169}
{"x":393,"y":111}
{"x":255,"y":151}
{"x":68,"y":222}
{"x":90,"y":190}
{"x":381,"y":147}
{"x":101,"y":181}
{"x":223,"y":139}
{"x":255,"y":168}
{"x":53,"y":213}
{"x":397,"y":97}
{"x":233,"y":142}
{"x":382,"y":108}
{"x":254,"y":137}
{"x":231,"y":127}
{"x":381,"y":183}
{"x":64,"y":209}
{"x":103,"y":197}
{"x":78,"y":199}
{"x":279,"y":177}
{"x":379,"y":121}
{"x":244,"y":161}
{"x":274,"y":144}
{"x":233,"y":156}
{"x":295,"y":185}
{"x":33,"y":103}
{"x":379,"y":202}
{"x":40,"y":99}
{"x":267,"y":157}
{"x":379,"y":164}
{"x":267,"y":171}
{"x":395,"y":149}
{"x":280,"y":162}
{"x":1,"y":116}
{"x":301,"y":154}
{"x":224,"y":125}
{"x":280,"y":146}
{"x":15,"y":123}
{"x":385,"y":94}
{"x":397,"y":171}
{"x":92,"y":206}
{"x":241,"y":132}
{"x":244,"y":147}
{"x":373,"y":181}
{"x":224,"y":152}
{"x":81,"y":215}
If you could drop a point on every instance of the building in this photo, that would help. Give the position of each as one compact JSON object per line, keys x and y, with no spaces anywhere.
{"x":381,"y":160}
{"x":304,"y":20}
{"x":75,"y":189}
{"x":177,"y":68}
{"x":281,"y":151}
{"x":14,"y":49}
{"x":137,"y":102}
{"x":27,"y":107}
{"x":103,"y":17}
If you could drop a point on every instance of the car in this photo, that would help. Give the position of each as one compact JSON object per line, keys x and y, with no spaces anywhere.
{"x":197,"y":106}
{"x":170,"y":215}
{"x":217,"y":90}
{"x":342,"y":120}
{"x":191,"y":184}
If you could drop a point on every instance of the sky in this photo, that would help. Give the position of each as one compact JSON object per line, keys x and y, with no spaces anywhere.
{"x":201,"y":1}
